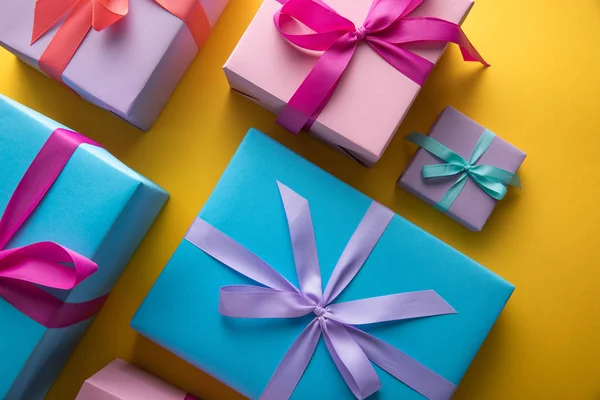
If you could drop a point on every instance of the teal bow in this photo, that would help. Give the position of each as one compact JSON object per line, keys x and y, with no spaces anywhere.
{"x":491,"y":180}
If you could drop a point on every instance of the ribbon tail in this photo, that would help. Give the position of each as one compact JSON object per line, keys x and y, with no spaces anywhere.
{"x":46,"y":309}
{"x":394,"y":307}
{"x":235,"y":256}
{"x":319,"y":84}
{"x":403,"y":367}
{"x":428,"y":29}
{"x":359,"y":248}
{"x":67,"y":40}
{"x":384,"y":13}
{"x":497,"y":174}
{"x":304,"y":246}
{"x":47,"y":13}
{"x":493,"y":188}
{"x":350,"y":360}
{"x":244,"y":301}
{"x":413,"y":66}
{"x":294,"y":363}
{"x":452,"y":194}
{"x":515,"y":181}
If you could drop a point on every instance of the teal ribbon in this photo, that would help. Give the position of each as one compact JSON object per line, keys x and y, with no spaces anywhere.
{"x":491,"y":180}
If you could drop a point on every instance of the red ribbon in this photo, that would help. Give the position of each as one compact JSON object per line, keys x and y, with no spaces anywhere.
{"x":83,"y":15}
{"x":24,"y":270}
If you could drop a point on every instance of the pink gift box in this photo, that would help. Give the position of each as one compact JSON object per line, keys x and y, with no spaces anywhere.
{"x":120,"y":380}
{"x":129,"y":69}
{"x":372,"y":98}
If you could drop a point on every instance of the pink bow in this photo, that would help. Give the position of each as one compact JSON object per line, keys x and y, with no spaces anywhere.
{"x":387,"y":29}
{"x":43,"y":263}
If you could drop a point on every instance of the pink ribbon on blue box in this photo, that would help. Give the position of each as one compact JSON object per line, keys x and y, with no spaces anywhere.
{"x":25,"y":270}
{"x":351,"y":349}
{"x":388,"y":29}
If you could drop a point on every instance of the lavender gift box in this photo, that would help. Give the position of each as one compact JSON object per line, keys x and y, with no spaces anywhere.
{"x":459,"y":133}
{"x":129,"y":69}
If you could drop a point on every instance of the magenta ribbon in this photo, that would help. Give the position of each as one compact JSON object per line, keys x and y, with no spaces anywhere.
{"x":388,"y":29}
{"x":351,"y":349}
{"x":24,"y":271}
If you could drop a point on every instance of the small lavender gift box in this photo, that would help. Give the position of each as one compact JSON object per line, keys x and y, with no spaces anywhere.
{"x":462,"y":168}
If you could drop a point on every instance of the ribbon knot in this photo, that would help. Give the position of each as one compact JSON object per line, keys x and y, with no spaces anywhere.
{"x":361,"y":33}
{"x":388,"y":29}
{"x":492,"y":180}
{"x":352,"y":350}
{"x":319,"y":311}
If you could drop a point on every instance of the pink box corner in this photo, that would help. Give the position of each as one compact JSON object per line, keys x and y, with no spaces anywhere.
{"x":123,"y":381}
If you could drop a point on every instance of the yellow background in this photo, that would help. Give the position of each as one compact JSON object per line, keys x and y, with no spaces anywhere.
{"x":542,"y":94}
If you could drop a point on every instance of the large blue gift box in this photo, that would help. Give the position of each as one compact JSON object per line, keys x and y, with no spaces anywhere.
{"x":98,"y":208}
{"x":181,"y":312}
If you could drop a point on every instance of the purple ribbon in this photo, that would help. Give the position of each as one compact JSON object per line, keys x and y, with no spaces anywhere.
{"x":351,"y":349}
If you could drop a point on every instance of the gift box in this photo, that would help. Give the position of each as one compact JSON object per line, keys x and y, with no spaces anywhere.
{"x":80,"y":235}
{"x":373,"y":96}
{"x":120,"y":380}
{"x":468,"y":186}
{"x":274,"y":216}
{"x":131,"y":66}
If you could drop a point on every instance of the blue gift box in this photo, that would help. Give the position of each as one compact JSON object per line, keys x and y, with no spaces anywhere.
{"x":181,"y":311}
{"x":97,"y":207}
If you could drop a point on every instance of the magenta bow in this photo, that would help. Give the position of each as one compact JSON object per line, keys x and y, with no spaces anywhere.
{"x":388,"y":28}
{"x":25,"y":269}
{"x":351,"y":349}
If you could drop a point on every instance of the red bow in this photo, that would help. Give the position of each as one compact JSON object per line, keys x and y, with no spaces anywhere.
{"x":83,"y":15}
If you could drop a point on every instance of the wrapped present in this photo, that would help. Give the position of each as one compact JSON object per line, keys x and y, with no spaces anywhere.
{"x":440,"y":174}
{"x":120,"y":380}
{"x":356,"y":89}
{"x":72,"y":217}
{"x":128,"y":64}
{"x":283,"y":224}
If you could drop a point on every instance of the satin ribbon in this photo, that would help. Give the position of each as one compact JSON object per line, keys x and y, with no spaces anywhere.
{"x":492,"y":180}
{"x":83,"y":15}
{"x":24,"y":270}
{"x":388,"y":29}
{"x":351,"y":349}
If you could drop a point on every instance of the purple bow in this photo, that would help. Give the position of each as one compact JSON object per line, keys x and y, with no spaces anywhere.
{"x":350,"y":347}
{"x":389,"y":29}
